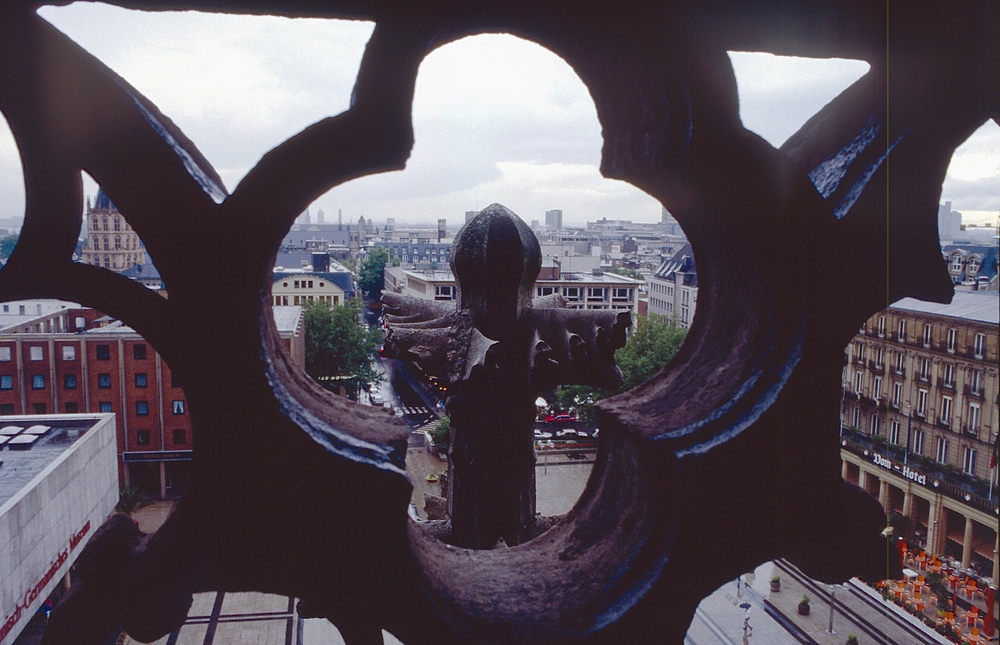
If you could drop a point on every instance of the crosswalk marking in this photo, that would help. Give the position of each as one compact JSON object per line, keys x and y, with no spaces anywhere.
{"x":415,"y":411}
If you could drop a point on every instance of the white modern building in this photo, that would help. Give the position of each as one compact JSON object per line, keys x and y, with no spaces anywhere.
{"x":594,"y":290}
{"x":58,"y":483}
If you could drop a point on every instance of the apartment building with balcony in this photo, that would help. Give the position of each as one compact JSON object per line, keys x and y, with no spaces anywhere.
{"x":919,"y":420}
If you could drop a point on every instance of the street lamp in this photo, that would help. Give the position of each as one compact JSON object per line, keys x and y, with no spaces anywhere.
{"x":909,"y":424}
{"x":833,"y":604}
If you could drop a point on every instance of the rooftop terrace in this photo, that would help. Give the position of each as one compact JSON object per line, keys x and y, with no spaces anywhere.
{"x":19,"y":467}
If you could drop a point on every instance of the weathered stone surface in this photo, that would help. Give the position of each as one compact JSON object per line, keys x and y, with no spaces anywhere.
{"x":756,"y":383}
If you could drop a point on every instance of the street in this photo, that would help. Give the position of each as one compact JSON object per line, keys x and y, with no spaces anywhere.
{"x":403,"y":391}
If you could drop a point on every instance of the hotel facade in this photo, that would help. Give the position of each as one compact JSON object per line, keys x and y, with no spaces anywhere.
{"x":919,"y":422}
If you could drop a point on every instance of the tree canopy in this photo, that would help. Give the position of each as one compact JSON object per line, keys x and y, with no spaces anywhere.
{"x":370,"y":276}
{"x":338,"y":344}
{"x":651,"y":344}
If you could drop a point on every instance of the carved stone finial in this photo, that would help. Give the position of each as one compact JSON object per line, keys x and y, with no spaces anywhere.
{"x":496,"y":260}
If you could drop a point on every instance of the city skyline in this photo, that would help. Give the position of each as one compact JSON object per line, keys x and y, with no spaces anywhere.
{"x":486,"y":130}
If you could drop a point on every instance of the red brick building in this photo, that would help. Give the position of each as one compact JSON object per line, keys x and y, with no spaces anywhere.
{"x":78,"y":360}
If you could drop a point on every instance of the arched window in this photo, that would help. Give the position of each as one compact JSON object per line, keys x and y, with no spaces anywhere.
{"x":118,"y":224}
{"x":105,"y":220}
{"x":118,"y":241}
{"x":107,"y":262}
{"x":105,"y":242}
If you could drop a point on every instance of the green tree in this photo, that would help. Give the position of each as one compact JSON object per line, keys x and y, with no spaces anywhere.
{"x":439,"y":433}
{"x":652,"y":343}
{"x":7,"y":244}
{"x":370,"y":278}
{"x":338,"y":344}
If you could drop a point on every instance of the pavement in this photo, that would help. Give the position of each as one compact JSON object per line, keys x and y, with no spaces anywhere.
{"x":267,"y":619}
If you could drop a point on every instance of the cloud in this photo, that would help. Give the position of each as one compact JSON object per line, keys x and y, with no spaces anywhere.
{"x":495,"y":118}
{"x":778,"y":94}
{"x":236,"y":85}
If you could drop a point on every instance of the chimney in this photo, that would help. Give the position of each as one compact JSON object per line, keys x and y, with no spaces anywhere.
{"x":321,"y":262}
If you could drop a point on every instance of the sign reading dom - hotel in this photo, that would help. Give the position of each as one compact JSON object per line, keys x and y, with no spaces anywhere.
{"x":904,"y":470}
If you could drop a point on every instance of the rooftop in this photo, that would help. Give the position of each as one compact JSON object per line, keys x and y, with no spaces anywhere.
{"x":286,"y":319}
{"x":431,"y":275}
{"x":606,"y":278}
{"x":981,"y":306}
{"x":19,"y":467}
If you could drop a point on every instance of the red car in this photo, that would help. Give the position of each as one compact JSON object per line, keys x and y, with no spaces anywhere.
{"x":560,"y":418}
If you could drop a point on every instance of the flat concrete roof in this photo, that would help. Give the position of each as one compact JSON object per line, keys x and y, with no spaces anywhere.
{"x":981,"y":306}
{"x":286,"y":318}
{"x":19,"y":467}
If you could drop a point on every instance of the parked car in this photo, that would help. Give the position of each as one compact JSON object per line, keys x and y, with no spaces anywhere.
{"x":542,"y":435}
{"x":377,"y":399}
{"x":560,"y":418}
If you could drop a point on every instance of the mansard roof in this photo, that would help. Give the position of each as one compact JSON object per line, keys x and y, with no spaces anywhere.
{"x":682,"y":262}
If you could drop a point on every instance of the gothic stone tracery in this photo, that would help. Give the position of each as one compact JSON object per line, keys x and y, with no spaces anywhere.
{"x":765,"y":349}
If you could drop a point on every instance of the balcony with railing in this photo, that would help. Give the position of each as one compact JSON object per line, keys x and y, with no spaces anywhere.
{"x":942,"y":478}
{"x":977,"y":392}
{"x":876,"y":366}
{"x":971,"y":431}
{"x":946,"y":384}
{"x":899,"y":371}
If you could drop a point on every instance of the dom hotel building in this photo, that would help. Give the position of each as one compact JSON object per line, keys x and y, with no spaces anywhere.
{"x":919,"y":422}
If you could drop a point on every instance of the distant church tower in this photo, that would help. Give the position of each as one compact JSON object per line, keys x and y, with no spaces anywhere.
{"x":111,"y":242}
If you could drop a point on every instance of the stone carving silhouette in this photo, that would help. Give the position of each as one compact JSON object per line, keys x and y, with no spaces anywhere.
{"x":500,"y":349}
{"x":297,"y":492}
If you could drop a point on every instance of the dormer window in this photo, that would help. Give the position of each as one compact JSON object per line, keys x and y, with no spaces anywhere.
{"x":956,"y":262}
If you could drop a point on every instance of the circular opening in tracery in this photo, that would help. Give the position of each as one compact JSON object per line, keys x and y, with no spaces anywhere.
{"x":501,"y":120}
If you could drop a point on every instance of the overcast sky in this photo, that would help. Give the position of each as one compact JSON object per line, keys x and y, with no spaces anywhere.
{"x":496,"y":119}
